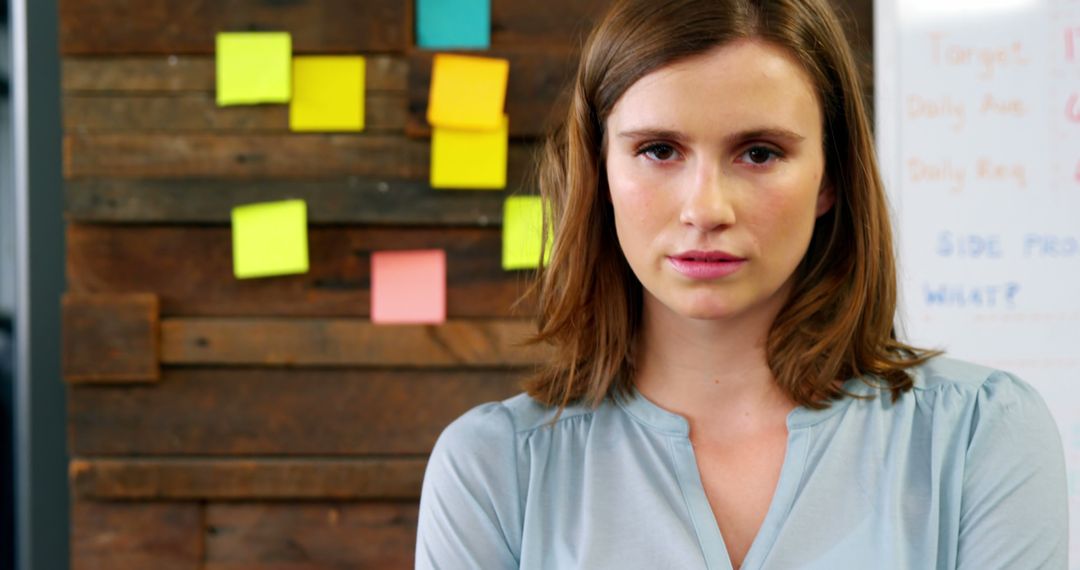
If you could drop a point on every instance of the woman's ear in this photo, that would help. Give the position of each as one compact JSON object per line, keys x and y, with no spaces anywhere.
{"x":825,"y":199}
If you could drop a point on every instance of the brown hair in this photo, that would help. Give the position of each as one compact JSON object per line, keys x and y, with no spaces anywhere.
{"x":838,"y":321}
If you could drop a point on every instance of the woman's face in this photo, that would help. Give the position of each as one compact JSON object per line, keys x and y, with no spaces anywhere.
{"x":716,"y":175}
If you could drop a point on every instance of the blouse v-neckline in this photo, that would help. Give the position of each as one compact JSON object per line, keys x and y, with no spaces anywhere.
{"x":684,"y":460}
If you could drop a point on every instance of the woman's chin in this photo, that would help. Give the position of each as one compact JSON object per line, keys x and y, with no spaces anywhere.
{"x":712,"y":315}
{"x":699,"y":304}
{"x":704,"y":311}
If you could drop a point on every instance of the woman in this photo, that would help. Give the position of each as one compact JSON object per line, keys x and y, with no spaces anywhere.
{"x":726,"y":390}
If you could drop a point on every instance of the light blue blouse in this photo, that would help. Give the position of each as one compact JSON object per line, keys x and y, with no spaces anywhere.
{"x":965,"y":471}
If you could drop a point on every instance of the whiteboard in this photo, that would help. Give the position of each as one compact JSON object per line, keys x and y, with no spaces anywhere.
{"x":977,"y":107}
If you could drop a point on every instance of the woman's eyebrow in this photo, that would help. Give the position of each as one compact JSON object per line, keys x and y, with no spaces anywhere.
{"x":766,"y":133}
{"x":756,"y":133}
{"x":652,"y":134}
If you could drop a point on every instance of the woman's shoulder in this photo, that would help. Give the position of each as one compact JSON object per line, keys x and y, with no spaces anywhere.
{"x":973,"y":381}
{"x":1008,"y":457}
{"x":506,"y":419}
{"x":946,"y":372}
{"x":973,"y":393}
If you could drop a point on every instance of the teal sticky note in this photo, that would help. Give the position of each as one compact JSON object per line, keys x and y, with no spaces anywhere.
{"x":453,"y":24}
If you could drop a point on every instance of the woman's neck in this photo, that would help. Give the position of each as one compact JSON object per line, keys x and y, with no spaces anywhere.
{"x":714,"y":373}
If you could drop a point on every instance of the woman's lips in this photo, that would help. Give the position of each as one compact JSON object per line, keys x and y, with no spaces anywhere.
{"x":706,"y":265}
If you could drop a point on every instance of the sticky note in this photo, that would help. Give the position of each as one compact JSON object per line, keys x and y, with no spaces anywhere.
{"x":473,"y":160}
{"x":270,"y":238}
{"x":408,"y":287}
{"x":253,"y":67}
{"x":467,"y":92}
{"x":328,"y":93}
{"x":446,"y":24}
{"x":523,"y":218}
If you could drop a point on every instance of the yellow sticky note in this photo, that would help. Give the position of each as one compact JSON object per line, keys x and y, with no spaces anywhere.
{"x":523,"y":218}
{"x":469,"y":159}
{"x":253,"y":67}
{"x":467,"y":92}
{"x":328,"y":93}
{"x":270,"y":238}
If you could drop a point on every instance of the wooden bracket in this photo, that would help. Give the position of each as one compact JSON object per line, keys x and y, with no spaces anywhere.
{"x":111,"y":338}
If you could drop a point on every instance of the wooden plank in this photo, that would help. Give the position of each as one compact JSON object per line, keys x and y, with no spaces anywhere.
{"x":346,"y":342}
{"x":548,"y":23}
{"x":247,"y":479}
{"x":319,"y":536}
{"x":89,"y":26}
{"x":110,"y":337}
{"x":136,"y":536}
{"x":171,"y":27}
{"x":182,"y":73}
{"x":191,"y":112}
{"x":350,"y":200}
{"x":190,"y":269}
{"x":857,"y":18}
{"x":207,"y":412}
{"x":261,"y":156}
{"x":127,"y":155}
{"x":536,"y":92}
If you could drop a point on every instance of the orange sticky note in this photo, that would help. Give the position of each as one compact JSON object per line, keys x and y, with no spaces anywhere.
{"x":467,"y":92}
{"x":408,"y":287}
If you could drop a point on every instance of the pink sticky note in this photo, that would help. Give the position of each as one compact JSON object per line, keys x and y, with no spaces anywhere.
{"x":408,"y":286}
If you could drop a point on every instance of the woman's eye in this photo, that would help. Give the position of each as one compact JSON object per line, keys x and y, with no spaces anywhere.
{"x":760,"y":154}
{"x":658,"y":151}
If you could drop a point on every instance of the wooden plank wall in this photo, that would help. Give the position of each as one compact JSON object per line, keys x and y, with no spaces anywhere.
{"x":216,"y":423}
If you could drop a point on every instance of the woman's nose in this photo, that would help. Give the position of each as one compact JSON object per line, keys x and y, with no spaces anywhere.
{"x":708,"y":205}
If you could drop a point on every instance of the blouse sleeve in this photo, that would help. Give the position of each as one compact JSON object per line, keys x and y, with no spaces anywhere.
{"x":469,"y":503}
{"x":1014,"y":508}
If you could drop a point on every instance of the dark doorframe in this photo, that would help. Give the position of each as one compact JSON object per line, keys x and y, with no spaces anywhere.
{"x":42,"y":505}
{"x":7,"y":304}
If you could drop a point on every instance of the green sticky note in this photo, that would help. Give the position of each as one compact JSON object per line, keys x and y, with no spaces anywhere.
{"x":253,"y":67}
{"x":523,"y":219}
{"x":270,"y":238}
